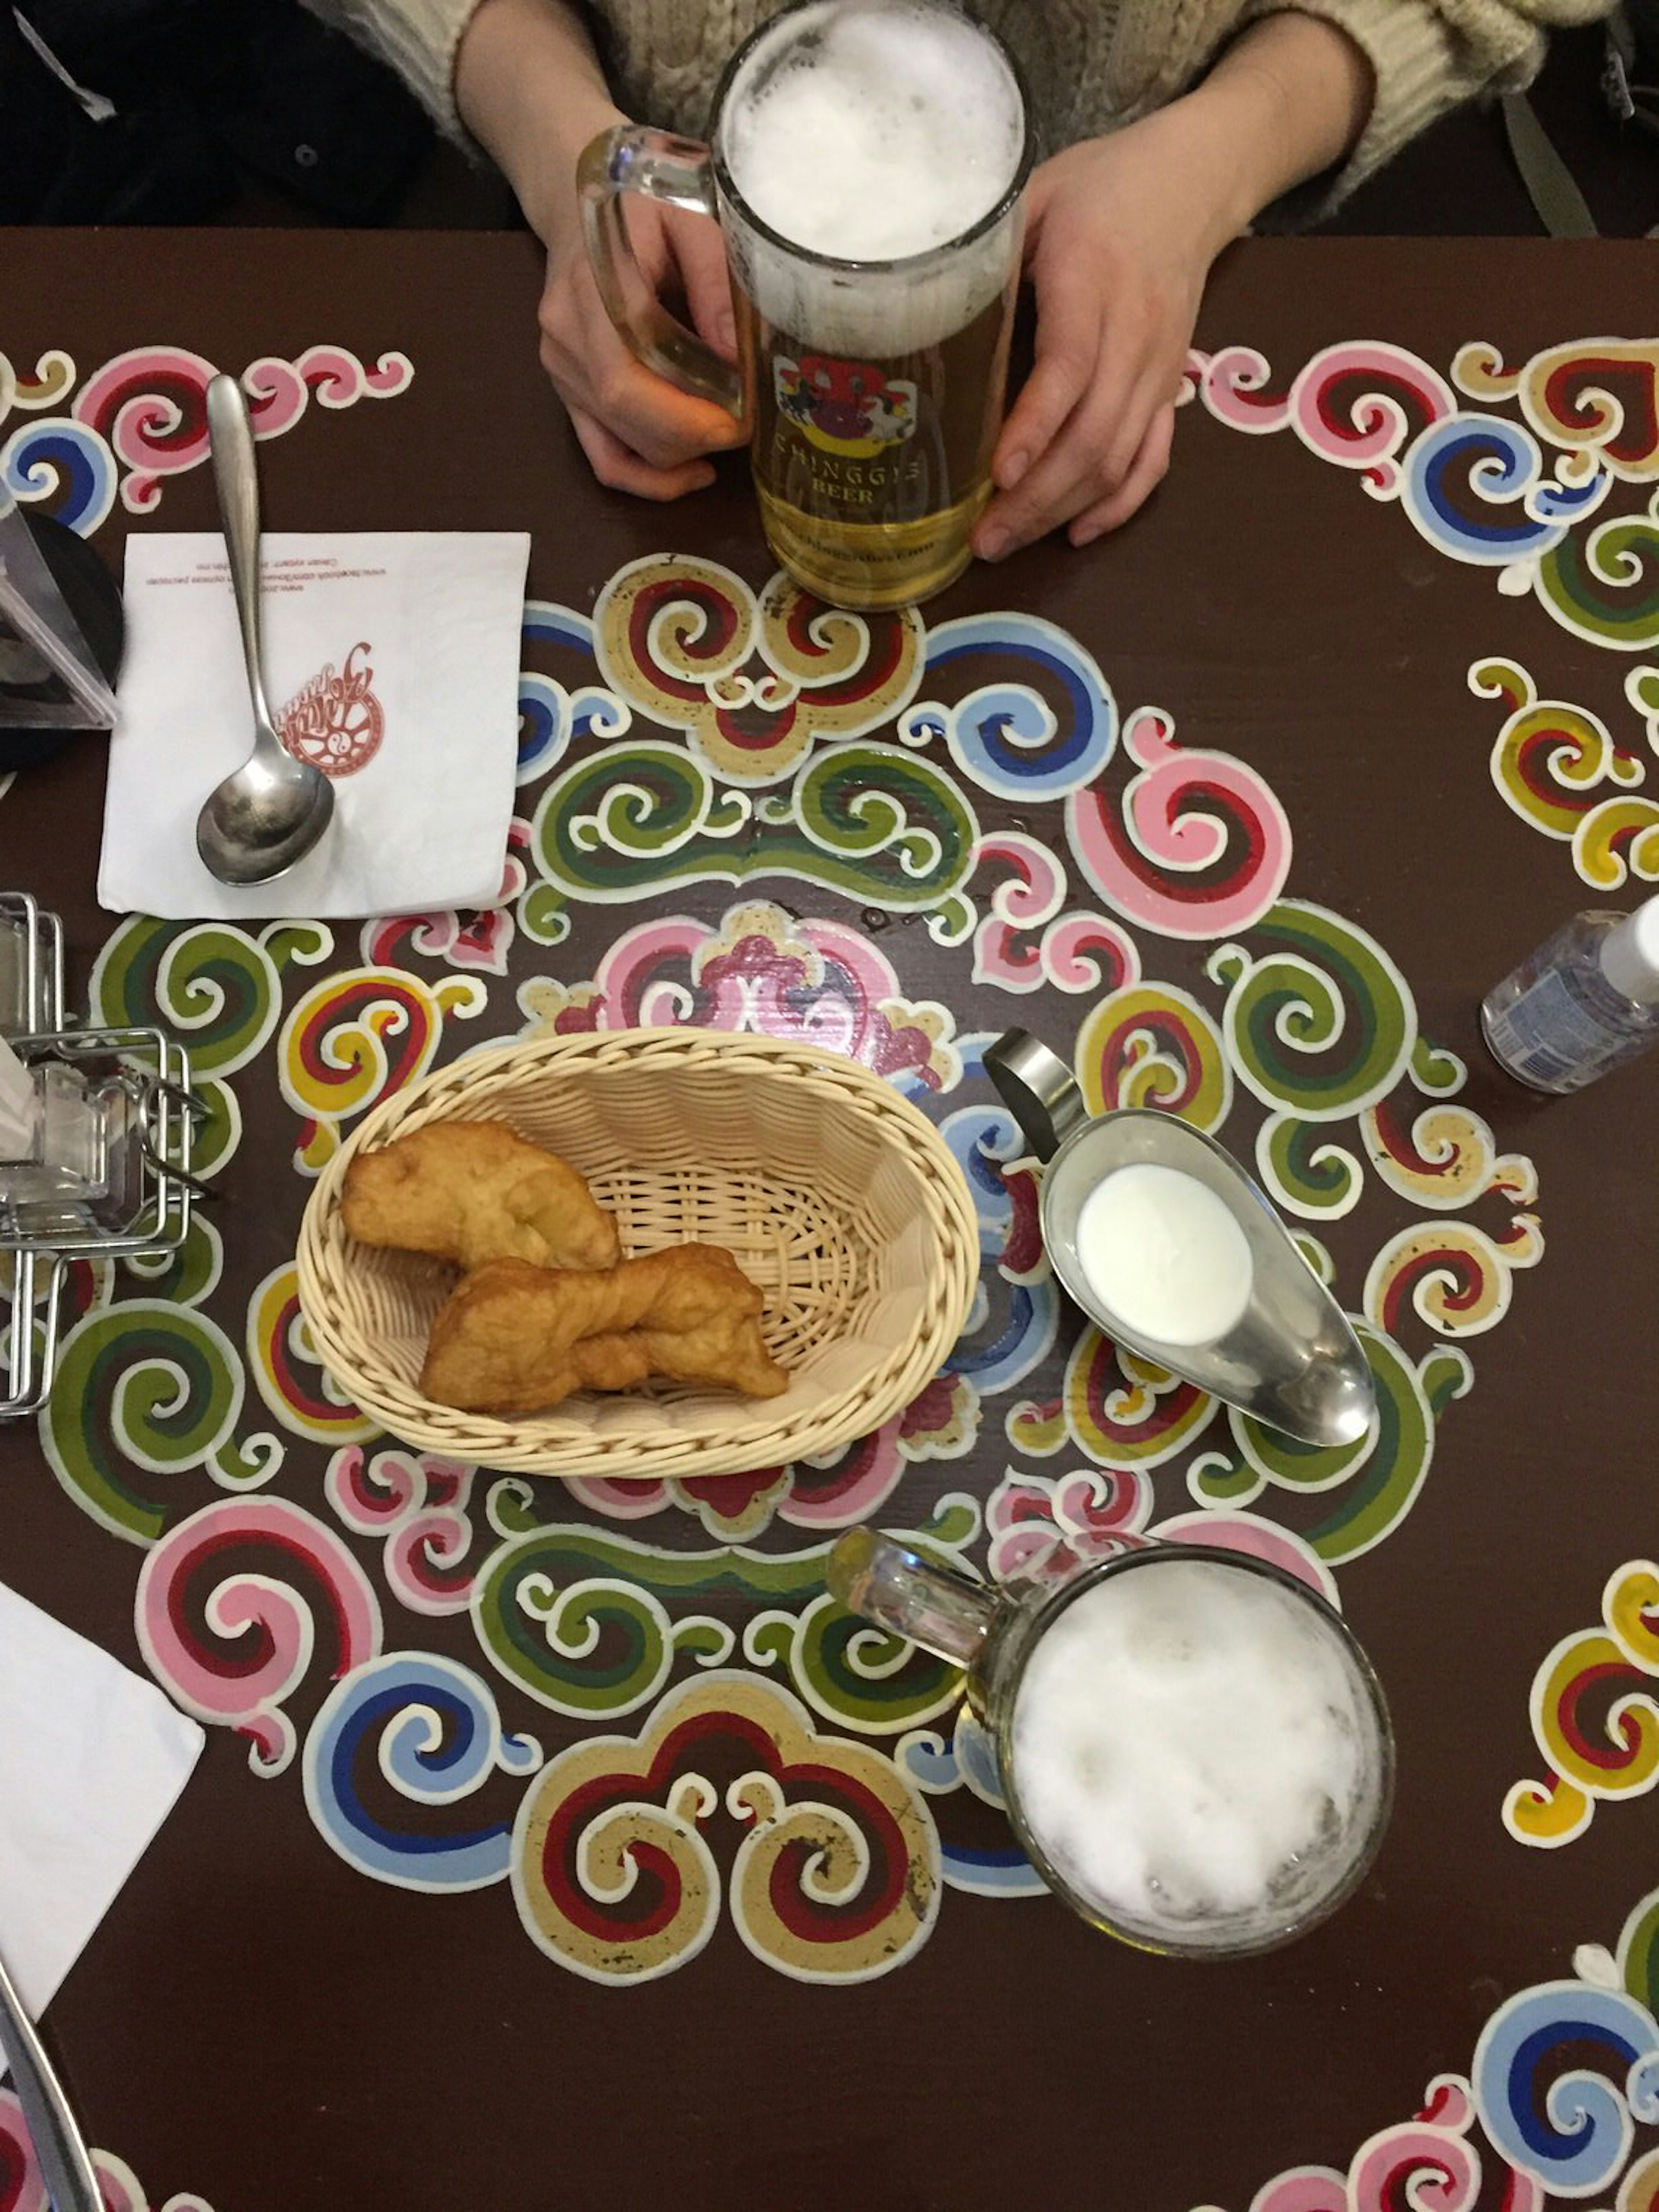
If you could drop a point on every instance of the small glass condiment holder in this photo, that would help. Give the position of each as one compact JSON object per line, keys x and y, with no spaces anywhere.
{"x":31,"y":968}
{"x":108,"y":1175}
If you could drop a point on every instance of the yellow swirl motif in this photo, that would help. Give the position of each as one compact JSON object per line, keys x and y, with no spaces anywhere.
{"x":1600,"y":429}
{"x":1618,"y":838}
{"x":54,"y":375}
{"x":286,"y":1371}
{"x":685,"y":640}
{"x":1624,"y":1762}
{"x":355,"y":1037}
{"x":1154,"y":1045}
{"x":1456,"y":1277}
{"x":1578,"y":753}
{"x":1455,"y":1161}
{"x":806,"y":1858}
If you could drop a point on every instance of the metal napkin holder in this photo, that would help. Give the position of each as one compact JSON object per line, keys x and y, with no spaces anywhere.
{"x":140,"y":1078}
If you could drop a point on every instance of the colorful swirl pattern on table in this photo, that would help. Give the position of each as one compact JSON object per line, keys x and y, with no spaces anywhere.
{"x":1594,"y":1711}
{"x":143,"y":417}
{"x":1523,"y":498}
{"x":1551,"y":762}
{"x":782,"y":803}
{"x":23,"y":2185}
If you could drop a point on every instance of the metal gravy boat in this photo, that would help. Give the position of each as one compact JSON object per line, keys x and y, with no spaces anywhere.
{"x":1290,"y":1361}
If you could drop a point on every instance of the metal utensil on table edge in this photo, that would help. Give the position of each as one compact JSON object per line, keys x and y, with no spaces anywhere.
{"x":60,"y":2148}
{"x":1293,"y":1362}
{"x":262,"y":819}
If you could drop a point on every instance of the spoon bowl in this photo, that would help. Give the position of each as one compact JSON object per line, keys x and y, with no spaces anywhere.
{"x":267,"y":814}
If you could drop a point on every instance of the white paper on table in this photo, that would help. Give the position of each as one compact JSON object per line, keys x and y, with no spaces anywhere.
{"x":92,"y":1758}
{"x":398,"y":652}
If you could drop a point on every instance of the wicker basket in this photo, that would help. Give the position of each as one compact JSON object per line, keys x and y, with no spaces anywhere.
{"x":835,"y":1194}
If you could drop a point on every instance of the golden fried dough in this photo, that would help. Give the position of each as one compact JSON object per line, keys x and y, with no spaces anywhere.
{"x":515,"y":1338}
{"x":472,"y":1192}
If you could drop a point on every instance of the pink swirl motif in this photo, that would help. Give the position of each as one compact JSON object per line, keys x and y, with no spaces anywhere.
{"x":418,"y":1503}
{"x":1428,"y":2163}
{"x":1203,"y":847}
{"x":1075,"y":952}
{"x":940,"y":1423}
{"x":25,"y":2186}
{"x":1028,"y":1518}
{"x":761,"y":970}
{"x":479,"y":939}
{"x":149,"y":403}
{"x":1357,"y":405}
{"x":267,"y":1632}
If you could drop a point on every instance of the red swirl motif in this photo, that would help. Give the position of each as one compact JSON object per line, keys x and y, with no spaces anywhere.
{"x":149,"y":403}
{"x":1203,"y":847}
{"x":230,"y":1643}
{"x":836,"y":1879}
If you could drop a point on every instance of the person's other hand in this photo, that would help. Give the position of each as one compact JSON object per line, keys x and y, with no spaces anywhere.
{"x":1120,"y":233}
{"x":640,"y":433}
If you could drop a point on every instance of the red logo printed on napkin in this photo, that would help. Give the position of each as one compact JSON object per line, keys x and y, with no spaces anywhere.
{"x":335,"y":721}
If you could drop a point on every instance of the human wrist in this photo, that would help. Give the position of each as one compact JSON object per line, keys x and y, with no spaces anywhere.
{"x":1289,"y":98}
{"x":529,"y":87}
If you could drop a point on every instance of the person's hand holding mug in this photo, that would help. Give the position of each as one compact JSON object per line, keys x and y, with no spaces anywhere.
{"x":531,"y":90}
{"x":1121,"y":235}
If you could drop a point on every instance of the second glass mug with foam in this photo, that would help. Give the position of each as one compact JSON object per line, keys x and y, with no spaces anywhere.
{"x":867,"y":166}
{"x":1192,"y":1749}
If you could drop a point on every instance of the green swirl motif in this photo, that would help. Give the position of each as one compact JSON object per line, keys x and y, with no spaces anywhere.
{"x":874,"y":822}
{"x":185,"y":1277}
{"x":1605,"y":588}
{"x":1323,"y":1024}
{"x":217,"y":987}
{"x":172,"y":1385}
{"x":1638,"y":1951}
{"x":581,"y":1620}
{"x":1380,"y":1477}
{"x":1305,"y":1171}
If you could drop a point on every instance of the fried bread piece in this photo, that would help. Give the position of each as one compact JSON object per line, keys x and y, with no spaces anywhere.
{"x":472,"y":1192}
{"x":515,"y":1338}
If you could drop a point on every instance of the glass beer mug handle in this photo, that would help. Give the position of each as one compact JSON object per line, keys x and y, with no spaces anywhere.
{"x":895,"y":1588}
{"x":633,"y":158}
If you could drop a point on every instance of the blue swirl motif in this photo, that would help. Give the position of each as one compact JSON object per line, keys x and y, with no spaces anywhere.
{"x":939,"y":1765}
{"x":67,"y":463}
{"x":439,"y":1738}
{"x":550,"y":715}
{"x":1005,"y":736}
{"x":1576,"y":2135}
{"x":1498,"y":465}
{"x":979,"y":1137}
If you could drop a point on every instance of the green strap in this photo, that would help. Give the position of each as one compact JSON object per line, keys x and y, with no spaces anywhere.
{"x":1562,"y":208}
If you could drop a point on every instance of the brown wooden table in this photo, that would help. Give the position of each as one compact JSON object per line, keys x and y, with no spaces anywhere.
{"x":274,"y":2014}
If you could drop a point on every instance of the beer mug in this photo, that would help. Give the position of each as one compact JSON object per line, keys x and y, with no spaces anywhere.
{"x":871,"y":384}
{"x":1193,"y":1750}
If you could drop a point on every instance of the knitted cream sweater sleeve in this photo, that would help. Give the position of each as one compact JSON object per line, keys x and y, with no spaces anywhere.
{"x":1428,"y":55}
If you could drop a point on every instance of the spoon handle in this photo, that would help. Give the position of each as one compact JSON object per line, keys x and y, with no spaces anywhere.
{"x":236,"y":479}
{"x":59,"y":2148}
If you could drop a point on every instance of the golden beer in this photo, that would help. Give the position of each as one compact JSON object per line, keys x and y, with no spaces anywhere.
{"x":867,"y":165}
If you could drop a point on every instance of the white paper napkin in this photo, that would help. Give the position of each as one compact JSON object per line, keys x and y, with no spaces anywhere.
{"x":92,"y":1757}
{"x":396,"y":655}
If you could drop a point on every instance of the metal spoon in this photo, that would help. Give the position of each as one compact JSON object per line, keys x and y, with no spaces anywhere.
{"x":60,"y":2149}
{"x":261,"y":820}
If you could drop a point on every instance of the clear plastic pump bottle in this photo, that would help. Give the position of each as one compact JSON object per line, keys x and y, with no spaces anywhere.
{"x":1586,"y":1001}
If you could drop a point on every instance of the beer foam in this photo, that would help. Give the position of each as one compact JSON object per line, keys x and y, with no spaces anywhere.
{"x":874,"y":130}
{"x":1191,"y":1751}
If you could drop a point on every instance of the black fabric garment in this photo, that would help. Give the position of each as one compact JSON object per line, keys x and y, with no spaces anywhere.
{"x":201,"y":91}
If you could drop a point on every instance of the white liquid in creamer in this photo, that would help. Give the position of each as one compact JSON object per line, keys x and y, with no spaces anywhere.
{"x":1192,"y":1744}
{"x":1163,"y":1255}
